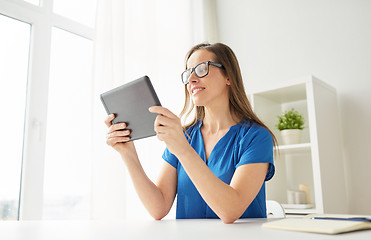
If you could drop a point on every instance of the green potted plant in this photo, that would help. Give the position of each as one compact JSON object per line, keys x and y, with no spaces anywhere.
{"x":290,"y":124}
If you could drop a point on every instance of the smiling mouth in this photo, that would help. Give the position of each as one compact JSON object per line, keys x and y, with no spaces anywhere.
{"x":196,"y":90}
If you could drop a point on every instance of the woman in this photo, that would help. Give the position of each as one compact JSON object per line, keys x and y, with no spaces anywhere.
{"x":217,"y":165}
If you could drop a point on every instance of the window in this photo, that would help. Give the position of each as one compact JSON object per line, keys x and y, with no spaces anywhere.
{"x":45,"y":83}
{"x":54,"y":144}
{"x":68,"y":133}
{"x":82,"y":11}
{"x":14,"y":49}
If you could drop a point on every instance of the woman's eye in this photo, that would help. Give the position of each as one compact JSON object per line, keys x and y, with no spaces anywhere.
{"x":201,"y":68}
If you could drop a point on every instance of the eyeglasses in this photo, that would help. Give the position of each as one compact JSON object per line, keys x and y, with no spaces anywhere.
{"x":201,"y":70}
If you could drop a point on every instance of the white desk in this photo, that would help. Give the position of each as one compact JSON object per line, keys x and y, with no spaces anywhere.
{"x":152,"y":230}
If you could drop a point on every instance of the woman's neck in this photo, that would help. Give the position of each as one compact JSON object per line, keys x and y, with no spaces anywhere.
{"x":218,"y":119}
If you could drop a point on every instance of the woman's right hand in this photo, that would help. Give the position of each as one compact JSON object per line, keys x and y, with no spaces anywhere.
{"x":118,"y":136}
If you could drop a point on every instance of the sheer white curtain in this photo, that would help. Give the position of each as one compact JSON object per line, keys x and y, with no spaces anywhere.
{"x":136,"y":38}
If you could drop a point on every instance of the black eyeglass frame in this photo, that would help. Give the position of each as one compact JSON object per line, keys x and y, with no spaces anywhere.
{"x":208,"y":63}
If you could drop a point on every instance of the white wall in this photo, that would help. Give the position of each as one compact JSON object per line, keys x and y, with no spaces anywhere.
{"x":277,"y":41}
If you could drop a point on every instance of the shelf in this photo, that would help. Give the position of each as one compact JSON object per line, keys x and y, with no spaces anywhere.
{"x":297,"y":206}
{"x":316,"y":161}
{"x":285,"y":94}
{"x":300,"y":211}
{"x":294,"y":148}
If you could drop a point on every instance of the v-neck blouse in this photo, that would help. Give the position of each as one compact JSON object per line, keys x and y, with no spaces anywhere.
{"x":244,"y":143}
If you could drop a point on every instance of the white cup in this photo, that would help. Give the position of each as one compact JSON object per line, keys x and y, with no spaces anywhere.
{"x":300,"y":197}
{"x":290,"y":197}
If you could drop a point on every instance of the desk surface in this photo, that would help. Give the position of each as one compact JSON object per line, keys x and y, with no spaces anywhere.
{"x":148,"y":229}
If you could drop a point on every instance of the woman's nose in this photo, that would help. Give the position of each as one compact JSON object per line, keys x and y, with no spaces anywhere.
{"x":193,"y":78}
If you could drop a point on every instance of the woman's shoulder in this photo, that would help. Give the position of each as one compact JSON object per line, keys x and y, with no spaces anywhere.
{"x":250,"y":126}
{"x":249,"y":130}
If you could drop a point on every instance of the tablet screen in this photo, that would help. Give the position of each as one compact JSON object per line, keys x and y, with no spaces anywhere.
{"x":130,"y":103}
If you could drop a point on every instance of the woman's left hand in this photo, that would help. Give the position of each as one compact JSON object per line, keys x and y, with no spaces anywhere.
{"x":169,"y":129}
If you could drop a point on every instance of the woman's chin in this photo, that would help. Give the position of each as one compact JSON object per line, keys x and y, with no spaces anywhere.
{"x":198,"y":103}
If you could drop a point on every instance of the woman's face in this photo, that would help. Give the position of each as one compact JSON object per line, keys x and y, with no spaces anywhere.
{"x":211,"y":89}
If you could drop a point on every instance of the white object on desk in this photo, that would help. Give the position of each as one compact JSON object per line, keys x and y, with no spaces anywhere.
{"x":275,"y":210}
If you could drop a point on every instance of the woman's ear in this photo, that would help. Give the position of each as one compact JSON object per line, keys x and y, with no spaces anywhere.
{"x":228,"y":82}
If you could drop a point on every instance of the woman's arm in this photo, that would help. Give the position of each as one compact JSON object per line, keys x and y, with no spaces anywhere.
{"x":229,"y":202}
{"x":157,"y":199}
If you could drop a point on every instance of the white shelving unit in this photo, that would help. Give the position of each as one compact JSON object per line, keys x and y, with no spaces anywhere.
{"x":317,"y":161}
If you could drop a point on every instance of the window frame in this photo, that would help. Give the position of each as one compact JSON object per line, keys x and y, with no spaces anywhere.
{"x":42,"y":20}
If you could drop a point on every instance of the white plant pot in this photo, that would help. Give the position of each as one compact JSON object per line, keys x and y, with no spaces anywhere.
{"x":291,"y":136}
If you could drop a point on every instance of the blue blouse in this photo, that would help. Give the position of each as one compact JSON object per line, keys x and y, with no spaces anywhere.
{"x":244,"y":143}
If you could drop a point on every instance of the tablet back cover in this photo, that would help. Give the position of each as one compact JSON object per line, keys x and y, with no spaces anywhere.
{"x":130,"y":103}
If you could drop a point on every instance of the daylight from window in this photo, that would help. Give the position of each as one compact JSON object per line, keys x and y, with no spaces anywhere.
{"x":68,"y":141}
{"x":14,"y":49}
{"x":65,"y":189}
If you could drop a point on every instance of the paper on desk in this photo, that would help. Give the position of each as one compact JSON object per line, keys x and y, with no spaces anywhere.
{"x":307,"y":224}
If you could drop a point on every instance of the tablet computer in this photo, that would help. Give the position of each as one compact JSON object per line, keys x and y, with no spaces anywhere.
{"x":130,"y":103}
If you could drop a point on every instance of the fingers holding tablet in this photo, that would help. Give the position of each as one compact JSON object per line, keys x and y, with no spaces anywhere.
{"x":116,"y":132}
{"x":108,"y":120}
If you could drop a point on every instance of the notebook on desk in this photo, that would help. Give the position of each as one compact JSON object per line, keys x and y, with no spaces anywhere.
{"x":322,"y":223}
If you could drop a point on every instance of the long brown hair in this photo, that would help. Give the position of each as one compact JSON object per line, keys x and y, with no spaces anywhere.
{"x":238,"y":101}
